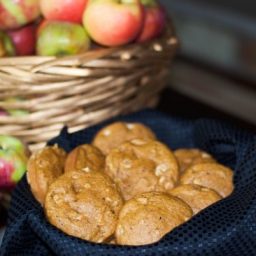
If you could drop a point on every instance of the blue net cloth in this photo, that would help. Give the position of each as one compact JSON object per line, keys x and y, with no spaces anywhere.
{"x":226,"y":228}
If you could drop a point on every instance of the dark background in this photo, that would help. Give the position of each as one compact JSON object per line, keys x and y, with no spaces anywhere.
{"x":245,"y":7}
{"x":216,"y":64}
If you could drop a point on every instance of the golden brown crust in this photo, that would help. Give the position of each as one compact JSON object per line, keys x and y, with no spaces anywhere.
{"x":210,"y":175}
{"x":84,"y":204}
{"x":197,"y":197}
{"x":146,"y":218}
{"x":111,"y":240}
{"x":43,"y":168}
{"x":115,"y":134}
{"x":85,"y":156}
{"x":141,"y":166}
{"x":188,"y":157}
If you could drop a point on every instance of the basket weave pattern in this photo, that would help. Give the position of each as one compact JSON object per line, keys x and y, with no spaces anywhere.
{"x":79,"y":91}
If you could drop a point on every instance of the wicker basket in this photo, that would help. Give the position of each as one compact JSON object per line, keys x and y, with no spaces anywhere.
{"x":81,"y":90}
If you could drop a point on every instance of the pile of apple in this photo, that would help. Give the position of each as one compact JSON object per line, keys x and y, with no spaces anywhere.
{"x":67,"y":27}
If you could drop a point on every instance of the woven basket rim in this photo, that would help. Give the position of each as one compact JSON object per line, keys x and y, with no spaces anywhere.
{"x":169,"y":30}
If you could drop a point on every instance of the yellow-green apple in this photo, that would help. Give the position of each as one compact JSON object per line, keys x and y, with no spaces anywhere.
{"x":63,"y":10}
{"x":6,"y":45}
{"x":13,"y":160}
{"x":113,"y":22}
{"x":155,"y":20}
{"x":16,"y":13}
{"x":24,"y":39}
{"x":56,"y":38}
{"x":10,"y":142}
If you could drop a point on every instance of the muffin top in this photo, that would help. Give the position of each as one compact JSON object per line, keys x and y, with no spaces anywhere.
{"x":197,"y":197}
{"x":141,"y":166}
{"x":85,"y":156}
{"x":146,"y":218}
{"x":43,"y":168}
{"x":84,"y":204}
{"x":188,"y":157}
{"x":113,"y":135}
{"x":210,"y":175}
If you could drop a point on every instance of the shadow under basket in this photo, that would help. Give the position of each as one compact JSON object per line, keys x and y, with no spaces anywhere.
{"x":82,"y":90}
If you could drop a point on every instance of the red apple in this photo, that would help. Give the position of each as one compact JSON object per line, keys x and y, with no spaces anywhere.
{"x":24,"y":40}
{"x":16,"y":13}
{"x":13,"y":159}
{"x":56,"y":38}
{"x":154,"y":23}
{"x":3,"y":112}
{"x":6,"y":45}
{"x":113,"y":22}
{"x":63,"y":10}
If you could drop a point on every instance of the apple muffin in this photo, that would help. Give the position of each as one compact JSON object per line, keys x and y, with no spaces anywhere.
{"x":197,"y":197}
{"x":189,"y":157}
{"x":115,"y":134}
{"x":210,"y":175}
{"x":84,"y":204}
{"x":85,"y":156}
{"x":43,"y":168}
{"x":140,"y":166}
{"x":146,"y":218}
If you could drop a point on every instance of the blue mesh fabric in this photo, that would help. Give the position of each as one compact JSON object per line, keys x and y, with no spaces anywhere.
{"x":226,"y":228}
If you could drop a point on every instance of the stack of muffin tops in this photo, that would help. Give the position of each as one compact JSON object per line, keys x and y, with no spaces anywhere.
{"x":126,"y":188}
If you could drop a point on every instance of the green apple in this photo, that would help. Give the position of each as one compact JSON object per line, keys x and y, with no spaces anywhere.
{"x":10,"y":142}
{"x":57,"y":38}
{"x":13,"y":161}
